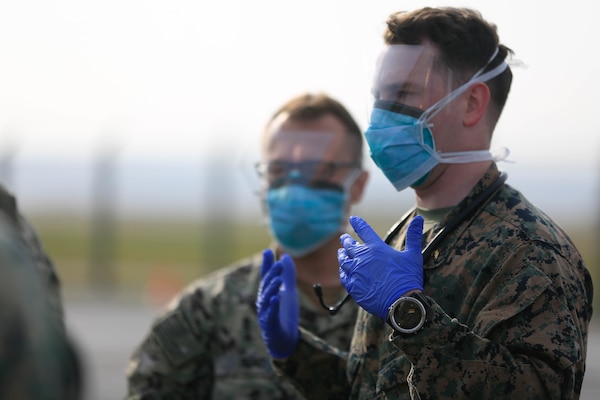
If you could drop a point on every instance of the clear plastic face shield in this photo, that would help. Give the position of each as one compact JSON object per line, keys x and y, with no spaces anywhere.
{"x":412,"y":79}
{"x":403,"y":76}
{"x":412,"y":87}
{"x":303,"y":157}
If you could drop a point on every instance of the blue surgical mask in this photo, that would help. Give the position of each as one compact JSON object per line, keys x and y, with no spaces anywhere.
{"x":402,"y":144}
{"x":303,"y":218}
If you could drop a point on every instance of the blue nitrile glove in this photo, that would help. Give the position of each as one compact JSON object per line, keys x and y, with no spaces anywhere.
{"x":374,"y":273}
{"x":277,"y":305}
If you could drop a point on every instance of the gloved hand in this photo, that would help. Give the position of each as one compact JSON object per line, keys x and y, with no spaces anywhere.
{"x":278,"y":306}
{"x":374,"y":273}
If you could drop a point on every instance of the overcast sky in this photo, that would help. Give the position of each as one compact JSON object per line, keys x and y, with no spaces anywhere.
{"x":172,"y":79}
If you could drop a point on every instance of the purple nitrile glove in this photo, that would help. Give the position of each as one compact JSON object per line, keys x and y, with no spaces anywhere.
{"x":277,"y":305}
{"x":374,"y":273}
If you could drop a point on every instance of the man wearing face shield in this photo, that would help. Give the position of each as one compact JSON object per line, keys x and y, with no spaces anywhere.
{"x":208,"y":344}
{"x":475,"y":293}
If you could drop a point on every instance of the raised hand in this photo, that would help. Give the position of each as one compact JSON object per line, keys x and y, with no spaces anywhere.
{"x":277,"y":304}
{"x":374,"y":273}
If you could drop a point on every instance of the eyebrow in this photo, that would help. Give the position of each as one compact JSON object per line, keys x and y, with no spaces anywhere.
{"x":405,"y":86}
{"x":394,"y":88}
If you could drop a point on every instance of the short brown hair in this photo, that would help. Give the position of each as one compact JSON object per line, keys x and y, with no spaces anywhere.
{"x":465,"y":40}
{"x":310,"y":106}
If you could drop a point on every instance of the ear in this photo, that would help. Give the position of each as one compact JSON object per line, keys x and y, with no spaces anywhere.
{"x":358,"y":187}
{"x":478,"y":99}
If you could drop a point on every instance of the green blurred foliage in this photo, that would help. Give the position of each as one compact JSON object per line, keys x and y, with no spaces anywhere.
{"x":180,"y":251}
{"x":185,"y":249}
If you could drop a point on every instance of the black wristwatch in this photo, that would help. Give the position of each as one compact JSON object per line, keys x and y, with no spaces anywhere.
{"x":409,"y":313}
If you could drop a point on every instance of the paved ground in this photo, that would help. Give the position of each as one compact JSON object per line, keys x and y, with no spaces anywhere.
{"x":107,"y":332}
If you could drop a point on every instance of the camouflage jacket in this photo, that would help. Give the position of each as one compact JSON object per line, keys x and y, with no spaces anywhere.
{"x":29,"y":238}
{"x":37,"y":360}
{"x":510,"y":301}
{"x":208,"y":343}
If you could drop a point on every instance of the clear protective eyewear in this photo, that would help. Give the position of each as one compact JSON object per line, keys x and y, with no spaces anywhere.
{"x":414,"y":76}
{"x":303,"y":157}
{"x":404,"y":73}
{"x":313,"y":173}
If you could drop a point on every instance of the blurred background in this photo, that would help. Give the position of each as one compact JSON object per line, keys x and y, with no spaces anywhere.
{"x":129,"y":129}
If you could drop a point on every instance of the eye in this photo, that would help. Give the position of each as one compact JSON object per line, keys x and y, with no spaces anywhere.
{"x":398,"y":93}
{"x":277,"y":169}
{"x":324,"y":170}
{"x":401,"y":96}
{"x":375,"y":93}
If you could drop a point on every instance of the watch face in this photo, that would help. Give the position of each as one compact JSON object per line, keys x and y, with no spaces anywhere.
{"x":407,"y":315}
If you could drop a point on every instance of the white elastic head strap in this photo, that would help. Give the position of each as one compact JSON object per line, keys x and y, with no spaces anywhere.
{"x":462,"y":157}
{"x":479,"y":77}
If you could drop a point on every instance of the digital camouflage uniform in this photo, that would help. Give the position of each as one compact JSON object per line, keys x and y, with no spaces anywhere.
{"x":37,"y":360}
{"x":209,"y":344}
{"x":510,"y":304}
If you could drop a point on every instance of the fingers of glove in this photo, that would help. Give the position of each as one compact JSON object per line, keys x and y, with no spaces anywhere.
{"x":274,"y":271}
{"x":271,"y":273}
{"x":414,"y":234}
{"x":346,"y":262}
{"x":268,"y":260}
{"x":289,"y":308}
{"x":288,"y":273}
{"x":349,"y":244}
{"x":364,"y":231}
{"x":268,"y":292}
{"x":268,"y":318}
{"x":343,"y":274}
